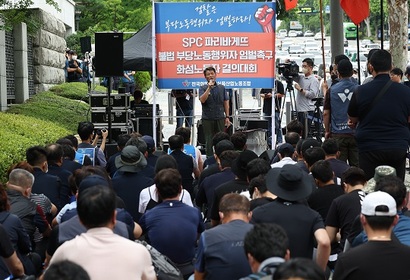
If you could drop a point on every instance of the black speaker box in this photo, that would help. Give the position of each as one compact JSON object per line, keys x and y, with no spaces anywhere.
{"x":144,"y":127}
{"x":109,"y":54}
{"x":85,"y":43}
{"x":254,"y":124}
{"x":145,"y":110}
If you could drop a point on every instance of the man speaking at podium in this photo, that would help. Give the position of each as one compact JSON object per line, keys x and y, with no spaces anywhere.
{"x":215,"y":108}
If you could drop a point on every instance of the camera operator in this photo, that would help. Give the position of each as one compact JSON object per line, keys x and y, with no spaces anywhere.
{"x":307,"y":86}
{"x":74,"y":71}
{"x":266,"y":94}
{"x":86,"y":132}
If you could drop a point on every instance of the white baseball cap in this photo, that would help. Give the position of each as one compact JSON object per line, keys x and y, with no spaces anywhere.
{"x":379,"y":204}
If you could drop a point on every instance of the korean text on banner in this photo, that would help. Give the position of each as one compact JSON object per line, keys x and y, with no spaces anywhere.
{"x":237,"y":39}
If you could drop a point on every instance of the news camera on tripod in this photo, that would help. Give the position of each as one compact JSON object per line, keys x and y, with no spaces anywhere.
{"x":307,"y":86}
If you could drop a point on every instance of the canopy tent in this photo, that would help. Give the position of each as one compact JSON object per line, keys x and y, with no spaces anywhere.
{"x":138,"y":50}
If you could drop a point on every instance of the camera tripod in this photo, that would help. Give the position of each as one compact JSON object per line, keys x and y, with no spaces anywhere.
{"x":290,"y":90}
{"x":315,"y":121}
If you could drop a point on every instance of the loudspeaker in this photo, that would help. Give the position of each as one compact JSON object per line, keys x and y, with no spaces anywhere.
{"x":109,"y":54}
{"x":254,"y":124}
{"x":144,"y":127}
{"x":85,"y":43}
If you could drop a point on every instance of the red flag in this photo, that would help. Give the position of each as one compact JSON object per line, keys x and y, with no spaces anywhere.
{"x":356,"y":10}
{"x":290,"y":4}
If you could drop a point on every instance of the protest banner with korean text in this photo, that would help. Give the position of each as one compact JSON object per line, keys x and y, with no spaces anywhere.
{"x":237,"y":39}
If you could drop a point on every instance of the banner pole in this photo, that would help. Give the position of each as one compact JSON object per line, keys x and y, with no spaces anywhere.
{"x":154,"y":75}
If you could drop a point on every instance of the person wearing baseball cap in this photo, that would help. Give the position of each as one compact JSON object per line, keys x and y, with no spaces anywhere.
{"x":151,"y":157}
{"x":383,"y":257}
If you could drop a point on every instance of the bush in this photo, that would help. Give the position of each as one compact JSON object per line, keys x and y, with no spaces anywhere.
{"x":47,"y":106}
{"x":75,"y":91}
{"x":20,"y":132}
{"x":143,"y":80}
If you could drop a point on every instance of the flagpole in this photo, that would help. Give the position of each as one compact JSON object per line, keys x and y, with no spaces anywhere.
{"x":358,"y":53}
{"x":154,"y":77}
{"x":381,"y":23}
{"x":323,"y":41}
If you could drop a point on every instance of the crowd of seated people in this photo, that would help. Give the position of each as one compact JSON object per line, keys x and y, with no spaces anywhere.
{"x":236,"y":215}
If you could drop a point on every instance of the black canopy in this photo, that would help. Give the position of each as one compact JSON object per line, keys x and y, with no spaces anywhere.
{"x":138,"y":50}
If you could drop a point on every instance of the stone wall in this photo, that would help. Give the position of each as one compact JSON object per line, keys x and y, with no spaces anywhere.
{"x":10,"y":64}
{"x":31,"y":63}
{"x":48,"y":52}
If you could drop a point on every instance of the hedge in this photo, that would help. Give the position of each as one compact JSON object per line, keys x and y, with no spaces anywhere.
{"x":75,"y":91}
{"x":47,"y":106}
{"x":18,"y":132}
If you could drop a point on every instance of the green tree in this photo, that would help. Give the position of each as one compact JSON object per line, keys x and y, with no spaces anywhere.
{"x":14,"y":12}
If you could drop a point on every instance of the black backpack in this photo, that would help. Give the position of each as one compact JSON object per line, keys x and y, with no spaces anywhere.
{"x":165,"y":269}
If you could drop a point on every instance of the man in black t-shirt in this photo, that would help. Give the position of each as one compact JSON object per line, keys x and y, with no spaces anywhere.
{"x":381,"y":257}
{"x":345,"y":208}
{"x":321,"y":198}
{"x":382,"y":132}
{"x":303,"y":225}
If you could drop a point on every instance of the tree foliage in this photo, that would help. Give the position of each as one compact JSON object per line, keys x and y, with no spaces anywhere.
{"x":14,"y":12}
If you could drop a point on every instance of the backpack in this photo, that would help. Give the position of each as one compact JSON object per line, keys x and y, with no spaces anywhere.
{"x":165,"y":269}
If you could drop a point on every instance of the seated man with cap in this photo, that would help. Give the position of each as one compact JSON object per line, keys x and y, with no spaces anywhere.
{"x":121,"y":141}
{"x":397,"y":189}
{"x":303,"y":225}
{"x":129,"y":182}
{"x":381,"y":257}
{"x":151,"y":157}
{"x":286,"y":153}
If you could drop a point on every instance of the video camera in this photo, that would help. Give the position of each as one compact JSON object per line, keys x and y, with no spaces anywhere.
{"x":289,"y":70}
{"x":318,"y":101}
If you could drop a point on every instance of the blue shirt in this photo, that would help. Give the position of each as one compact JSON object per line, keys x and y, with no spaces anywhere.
{"x":220,"y":251}
{"x":172,"y":228}
{"x":401,"y":230}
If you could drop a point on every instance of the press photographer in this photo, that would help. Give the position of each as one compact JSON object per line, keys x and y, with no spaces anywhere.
{"x":74,"y":71}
